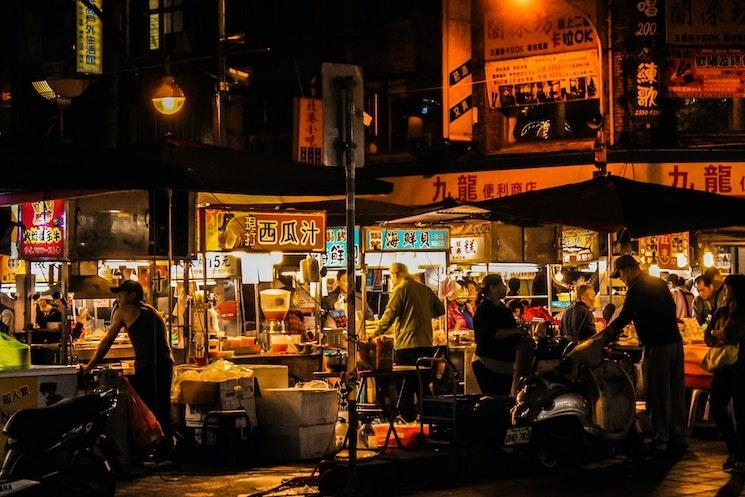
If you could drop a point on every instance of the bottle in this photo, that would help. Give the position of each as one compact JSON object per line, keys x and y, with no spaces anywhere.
{"x":340,"y":432}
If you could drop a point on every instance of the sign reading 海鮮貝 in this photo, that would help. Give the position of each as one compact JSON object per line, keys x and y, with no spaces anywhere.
{"x":336,"y":247}
{"x":406,"y":239}
{"x":253,"y":231}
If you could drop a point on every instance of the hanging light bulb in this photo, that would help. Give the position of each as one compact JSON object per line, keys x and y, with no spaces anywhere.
{"x":654,"y":267}
{"x":708,"y":257}
{"x":559,"y":276}
{"x":682,"y":260}
{"x":168,"y":98}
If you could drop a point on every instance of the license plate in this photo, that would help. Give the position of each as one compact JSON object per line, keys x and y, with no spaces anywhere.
{"x":517,"y":436}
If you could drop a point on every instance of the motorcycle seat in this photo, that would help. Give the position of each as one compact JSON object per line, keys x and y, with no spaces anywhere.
{"x":43,"y":423}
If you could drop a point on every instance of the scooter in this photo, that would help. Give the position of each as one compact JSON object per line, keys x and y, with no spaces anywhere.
{"x":583,"y":410}
{"x":60,"y":450}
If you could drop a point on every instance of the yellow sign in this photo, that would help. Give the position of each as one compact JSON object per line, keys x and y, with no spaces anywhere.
{"x":470,"y":243}
{"x":716,"y":177}
{"x":89,"y":48}
{"x":457,"y":79}
{"x":9,"y":268}
{"x":671,"y":251}
{"x":308,"y":132}
{"x":579,"y":245}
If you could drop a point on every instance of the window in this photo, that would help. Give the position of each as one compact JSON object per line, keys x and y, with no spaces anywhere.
{"x":710,"y":117}
{"x":551,"y":121}
{"x":164,"y":17}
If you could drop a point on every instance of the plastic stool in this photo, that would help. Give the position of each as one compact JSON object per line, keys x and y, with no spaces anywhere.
{"x":696,"y":394}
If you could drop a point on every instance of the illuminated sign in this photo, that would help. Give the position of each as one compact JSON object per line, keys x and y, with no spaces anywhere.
{"x":308,"y":131}
{"x":579,"y":245}
{"x":89,"y":48}
{"x":406,"y":239}
{"x":44,"y":230}
{"x":336,"y":247}
{"x":252,"y":231}
{"x":470,"y":243}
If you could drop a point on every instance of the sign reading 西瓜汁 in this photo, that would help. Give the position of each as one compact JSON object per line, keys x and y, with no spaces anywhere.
{"x":726,"y":178}
{"x":470,"y":243}
{"x":336,"y":247}
{"x":550,"y":26}
{"x":307,"y":134}
{"x":579,"y":245}
{"x":89,"y":29}
{"x":705,"y":22}
{"x":43,"y":235}
{"x":705,"y":73}
{"x":251,"y":231}
{"x":543,"y":79}
{"x":379,"y":239}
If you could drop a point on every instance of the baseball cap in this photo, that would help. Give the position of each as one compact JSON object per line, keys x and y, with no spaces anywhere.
{"x":622,"y":262}
{"x":130,"y":286}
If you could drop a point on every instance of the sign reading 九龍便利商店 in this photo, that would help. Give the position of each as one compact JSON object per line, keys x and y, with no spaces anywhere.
{"x":252,"y":231}
{"x":43,"y":235}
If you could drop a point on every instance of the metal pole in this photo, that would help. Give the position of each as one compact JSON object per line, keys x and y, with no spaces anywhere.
{"x":344,"y":87}
{"x":221,"y":91}
{"x":169,"y":192}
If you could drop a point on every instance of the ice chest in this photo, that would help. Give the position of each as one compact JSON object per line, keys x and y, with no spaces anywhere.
{"x":297,"y":407}
{"x":299,"y":442}
{"x":212,"y":392}
{"x":270,"y":376}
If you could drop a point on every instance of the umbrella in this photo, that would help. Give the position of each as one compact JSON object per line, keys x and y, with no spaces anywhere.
{"x":62,"y":170}
{"x":612,"y":203}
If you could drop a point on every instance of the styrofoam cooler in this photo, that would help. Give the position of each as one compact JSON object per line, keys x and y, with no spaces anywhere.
{"x":297,"y":406}
{"x":270,"y":376}
{"x":299,"y":442}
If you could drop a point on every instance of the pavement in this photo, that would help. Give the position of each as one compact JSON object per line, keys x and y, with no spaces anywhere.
{"x":696,"y":473}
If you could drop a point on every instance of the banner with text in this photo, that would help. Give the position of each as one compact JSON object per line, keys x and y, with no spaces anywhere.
{"x":457,"y":76}
{"x":378,"y":239}
{"x":89,"y":46}
{"x":252,"y":231}
{"x":43,"y":230}
{"x":706,"y":22}
{"x":307,"y":136}
{"x":470,"y":243}
{"x":706,"y":73}
{"x":336,"y":247}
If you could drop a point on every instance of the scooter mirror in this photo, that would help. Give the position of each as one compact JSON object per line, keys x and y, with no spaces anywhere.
{"x":608,"y":311}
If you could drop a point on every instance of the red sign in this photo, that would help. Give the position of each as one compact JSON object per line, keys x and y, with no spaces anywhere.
{"x":252,"y":231}
{"x":44,"y":230}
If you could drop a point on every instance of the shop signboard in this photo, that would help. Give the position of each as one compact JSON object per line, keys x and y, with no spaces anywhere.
{"x":470,"y":243}
{"x":255,"y":231}
{"x":706,"y":73}
{"x":43,"y":235}
{"x":307,"y":136}
{"x":219,"y":265}
{"x":644,"y":38}
{"x":89,"y":29}
{"x":705,"y":22}
{"x":579,"y":245}
{"x":666,"y":249}
{"x":543,"y":79}
{"x":457,"y":71}
{"x":398,"y":239}
{"x":336,"y":247}
{"x":9,"y":268}
{"x":546,"y":27}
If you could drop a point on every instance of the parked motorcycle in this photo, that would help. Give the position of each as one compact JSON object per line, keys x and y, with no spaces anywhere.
{"x":60,"y":449}
{"x":584,"y":409}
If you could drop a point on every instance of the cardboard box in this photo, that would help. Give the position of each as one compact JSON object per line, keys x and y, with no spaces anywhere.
{"x":295,"y":443}
{"x":297,"y":407}
{"x":211,"y":392}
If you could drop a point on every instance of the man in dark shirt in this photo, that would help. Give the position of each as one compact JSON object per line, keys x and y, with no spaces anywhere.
{"x":578,"y":323}
{"x":650,"y":306}
{"x":703,"y":304}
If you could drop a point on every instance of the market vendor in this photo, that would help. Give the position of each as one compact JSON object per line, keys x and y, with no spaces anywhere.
{"x":46,"y":312}
{"x":460,"y":312}
{"x":153,"y":360}
{"x":335,"y":303}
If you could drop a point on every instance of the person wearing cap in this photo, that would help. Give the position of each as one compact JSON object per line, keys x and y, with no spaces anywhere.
{"x":412,"y":306}
{"x":650,"y":306}
{"x":153,"y":360}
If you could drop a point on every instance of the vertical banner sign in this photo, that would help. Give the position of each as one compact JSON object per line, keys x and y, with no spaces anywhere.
{"x":89,"y":46}
{"x":307,"y":135}
{"x":646,"y":38}
{"x":458,"y":113}
{"x":336,"y":247}
{"x":44,"y":230}
{"x":251,"y":231}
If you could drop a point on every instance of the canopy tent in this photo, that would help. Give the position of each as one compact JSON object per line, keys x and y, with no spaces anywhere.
{"x":450,"y":210}
{"x":34,"y":171}
{"x":612,"y":203}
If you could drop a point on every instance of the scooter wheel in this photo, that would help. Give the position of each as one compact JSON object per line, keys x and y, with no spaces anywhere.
{"x":547,"y":459}
{"x":88,"y":476}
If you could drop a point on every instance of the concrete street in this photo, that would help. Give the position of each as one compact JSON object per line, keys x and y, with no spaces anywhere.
{"x":698,"y":473}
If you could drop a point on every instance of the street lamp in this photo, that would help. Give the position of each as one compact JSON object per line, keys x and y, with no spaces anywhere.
{"x":168,"y":98}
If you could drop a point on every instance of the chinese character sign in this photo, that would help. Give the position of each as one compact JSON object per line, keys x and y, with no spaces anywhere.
{"x":336,"y":247}
{"x":579,"y":245}
{"x":252,"y":231}
{"x":308,"y":132}
{"x":44,"y":230}
{"x":406,"y":239}
{"x":89,"y":49}
{"x":705,"y":22}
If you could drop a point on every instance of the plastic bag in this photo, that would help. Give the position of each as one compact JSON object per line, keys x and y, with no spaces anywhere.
{"x":146,"y":430}
{"x":13,"y":354}
{"x":720,"y":357}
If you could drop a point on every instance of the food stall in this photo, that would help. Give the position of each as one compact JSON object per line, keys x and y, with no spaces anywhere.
{"x":261,"y":240}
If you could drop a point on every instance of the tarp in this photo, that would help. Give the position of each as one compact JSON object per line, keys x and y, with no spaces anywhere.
{"x":612,"y":203}
{"x":60,"y":170}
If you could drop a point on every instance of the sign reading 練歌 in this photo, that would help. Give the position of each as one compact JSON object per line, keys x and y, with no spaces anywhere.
{"x":252,"y":231}
{"x":308,"y":131}
{"x":406,"y":239}
{"x":706,"y":73}
{"x":336,"y":247}
{"x":89,"y":46}
{"x":645,"y":58}
{"x":44,"y":230}
{"x":470,"y":243}
{"x":705,"y":22}
{"x":543,"y":79}
{"x":579,"y":245}
{"x":547,"y":27}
